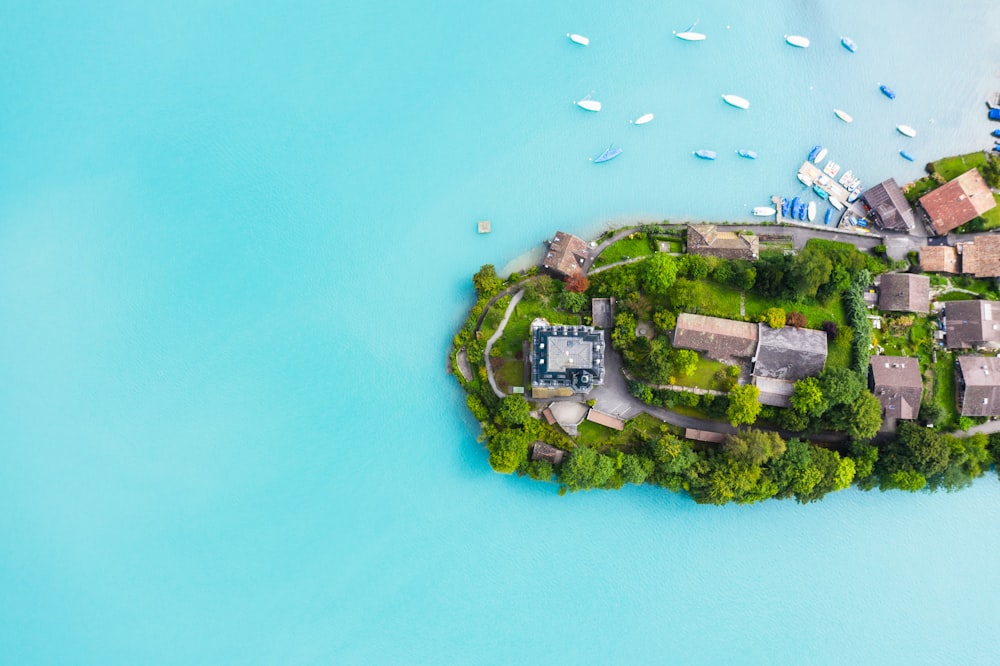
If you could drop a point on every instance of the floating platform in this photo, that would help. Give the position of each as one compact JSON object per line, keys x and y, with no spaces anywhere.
{"x":484,"y":226}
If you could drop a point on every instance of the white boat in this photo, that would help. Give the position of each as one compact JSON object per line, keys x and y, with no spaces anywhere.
{"x":843,"y":115}
{"x":763,"y":211}
{"x":906,"y":130}
{"x":578,"y":39}
{"x":820,"y":155}
{"x":831,"y":169}
{"x":643,"y":119}
{"x":836,"y":203}
{"x":689,"y":36}
{"x":737,"y":101}
{"x":811,"y":214}
{"x":588,"y":104}
{"x":797,"y":40}
{"x":804,"y":179}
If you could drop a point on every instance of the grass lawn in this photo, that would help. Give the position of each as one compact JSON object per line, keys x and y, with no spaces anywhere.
{"x":954,"y":296}
{"x":944,"y":386}
{"x":913,"y":340}
{"x":720,"y":301}
{"x":510,"y":374}
{"x":625,"y":248}
{"x":704,"y":375}
{"x":950,"y":168}
{"x":838,"y":353}
{"x":520,"y":322}
{"x":985,"y":288}
{"x":816,"y":313}
{"x":642,"y":427}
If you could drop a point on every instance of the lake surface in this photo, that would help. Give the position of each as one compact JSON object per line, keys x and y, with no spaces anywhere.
{"x":235,"y":242}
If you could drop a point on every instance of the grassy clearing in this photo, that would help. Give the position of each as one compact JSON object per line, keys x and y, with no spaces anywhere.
{"x":950,"y":168}
{"x":704,"y":376}
{"x":944,"y":386}
{"x":720,"y":301}
{"x":624,"y":249}
{"x":816,"y":313}
{"x":520,"y":322}
{"x":642,"y":427}
{"x":510,"y":374}
{"x":954,"y":296}
{"x":838,"y":353}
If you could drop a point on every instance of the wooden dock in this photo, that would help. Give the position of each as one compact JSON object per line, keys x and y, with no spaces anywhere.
{"x":484,"y":226}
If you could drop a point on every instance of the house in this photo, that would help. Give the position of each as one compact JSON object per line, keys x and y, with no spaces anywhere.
{"x":605,"y":420}
{"x":565,"y":360}
{"x":904,"y":292}
{"x":707,"y":240}
{"x":972,"y":324}
{"x":896,"y":382}
{"x":717,"y":338}
{"x":958,"y":201}
{"x":784,"y":356}
{"x":982,"y":256}
{"x":567,"y":254}
{"x":542,"y":451}
{"x":704,"y":436}
{"x":977,"y":380}
{"x":892,"y":210}
{"x":939,"y":259}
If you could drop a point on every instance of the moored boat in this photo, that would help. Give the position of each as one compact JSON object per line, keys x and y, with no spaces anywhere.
{"x":608,"y":155}
{"x":749,"y":154}
{"x":578,"y":39}
{"x":906,"y":130}
{"x":643,"y":119}
{"x":820,"y":192}
{"x":995,"y":133}
{"x":811,"y":211}
{"x":705,"y":154}
{"x":797,"y":40}
{"x":802,"y":211}
{"x":849,"y":44}
{"x":793,"y":207}
{"x":820,"y":155}
{"x":784,"y":207}
{"x":763,"y":211}
{"x":804,"y":179}
{"x":836,"y":203}
{"x":905,"y":155}
{"x":887,"y":91}
{"x":843,"y":115}
{"x":690,"y":35}
{"x":737,"y":101}
{"x":814,"y":152}
{"x":588,"y":104}
{"x":828,"y":216}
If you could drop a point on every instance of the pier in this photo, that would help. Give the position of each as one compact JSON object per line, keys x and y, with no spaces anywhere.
{"x":811,"y":176}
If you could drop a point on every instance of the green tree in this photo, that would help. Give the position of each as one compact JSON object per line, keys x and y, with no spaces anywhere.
{"x":685,"y":362}
{"x":665,"y":320}
{"x":807,"y":397}
{"x":744,"y":405}
{"x":540,"y":470}
{"x":904,"y":479}
{"x":810,"y":270}
{"x":586,"y":469}
{"x":636,"y":469}
{"x":794,"y":472}
{"x":694,"y":266}
{"x":486,"y":281}
{"x":675,"y":462}
{"x":913,"y":449}
{"x":514,"y":410}
{"x":754,"y":447}
{"x":840,"y":386}
{"x":866,"y":417}
{"x":574,"y":302}
{"x":508,"y":450}
{"x":774,"y":317}
{"x":659,"y":273}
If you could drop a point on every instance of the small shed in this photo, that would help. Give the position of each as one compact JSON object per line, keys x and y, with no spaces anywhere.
{"x":542,"y":451}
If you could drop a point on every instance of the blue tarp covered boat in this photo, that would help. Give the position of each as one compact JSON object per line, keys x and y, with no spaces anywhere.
{"x":996,"y":133}
{"x":887,"y":91}
{"x":814,"y":152}
{"x":994,"y":114}
{"x":905,"y":155}
{"x":784,"y":207}
{"x":849,"y":44}
{"x":828,"y":216}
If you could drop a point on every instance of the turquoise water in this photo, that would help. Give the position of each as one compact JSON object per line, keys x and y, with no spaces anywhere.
{"x":235,"y":241}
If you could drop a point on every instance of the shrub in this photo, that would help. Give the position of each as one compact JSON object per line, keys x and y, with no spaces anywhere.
{"x":775,"y":317}
{"x":830,"y":328}
{"x":796,"y":319}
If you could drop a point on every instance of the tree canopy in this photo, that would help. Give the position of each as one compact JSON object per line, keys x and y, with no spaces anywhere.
{"x":744,"y":406}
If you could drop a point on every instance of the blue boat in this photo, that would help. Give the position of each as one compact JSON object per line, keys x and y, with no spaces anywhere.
{"x":862,"y":222}
{"x":749,"y":154}
{"x":794,"y":207}
{"x":814,"y":152}
{"x":802,"y":211}
{"x":608,"y":155}
{"x":994,"y":114}
{"x":784,"y":207}
{"x":995,"y":133}
{"x":849,"y":44}
{"x":887,"y":91}
{"x":906,"y":155}
{"x":820,"y":192}
{"x":705,"y":154}
{"x":828,"y":216}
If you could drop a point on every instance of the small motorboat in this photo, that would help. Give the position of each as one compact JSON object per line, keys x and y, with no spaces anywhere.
{"x":843,"y":115}
{"x":802,"y":212}
{"x":836,"y":203}
{"x":749,"y":154}
{"x":905,"y":155}
{"x":995,"y":133}
{"x":643,"y":119}
{"x":689,"y":35}
{"x":784,"y":207}
{"x":705,"y":154}
{"x":608,"y":155}
{"x":763,"y":211}
{"x":887,"y":91}
{"x":737,"y":101}
{"x":793,"y":207}
{"x":828,"y":216}
{"x":797,"y":41}
{"x":853,"y":196}
{"x":804,"y":179}
{"x":848,"y":44}
{"x":588,"y":104}
{"x":820,"y":192}
{"x":820,"y":155}
{"x":814,"y":152}
{"x":578,"y":39}
{"x":811,"y":211}
{"x":993,"y":114}
{"x":906,"y":130}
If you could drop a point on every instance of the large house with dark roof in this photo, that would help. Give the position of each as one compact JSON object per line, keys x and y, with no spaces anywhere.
{"x":566,"y":255}
{"x":707,"y":240}
{"x":904,"y":292}
{"x":896,"y":382}
{"x":717,"y":338}
{"x":972,"y":324}
{"x":958,"y":201}
{"x":784,"y":356}
{"x":565,"y":360}
{"x":892,"y":210}
{"x":977,"y":380}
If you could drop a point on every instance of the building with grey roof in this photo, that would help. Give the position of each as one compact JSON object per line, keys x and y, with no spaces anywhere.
{"x":892,"y":210}
{"x":896,"y":382}
{"x":977,"y":380}
{"x":972,"y":324}
{"x":565,"y":359}
{"x":904,"y":292}
{"x":784,"y":356}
